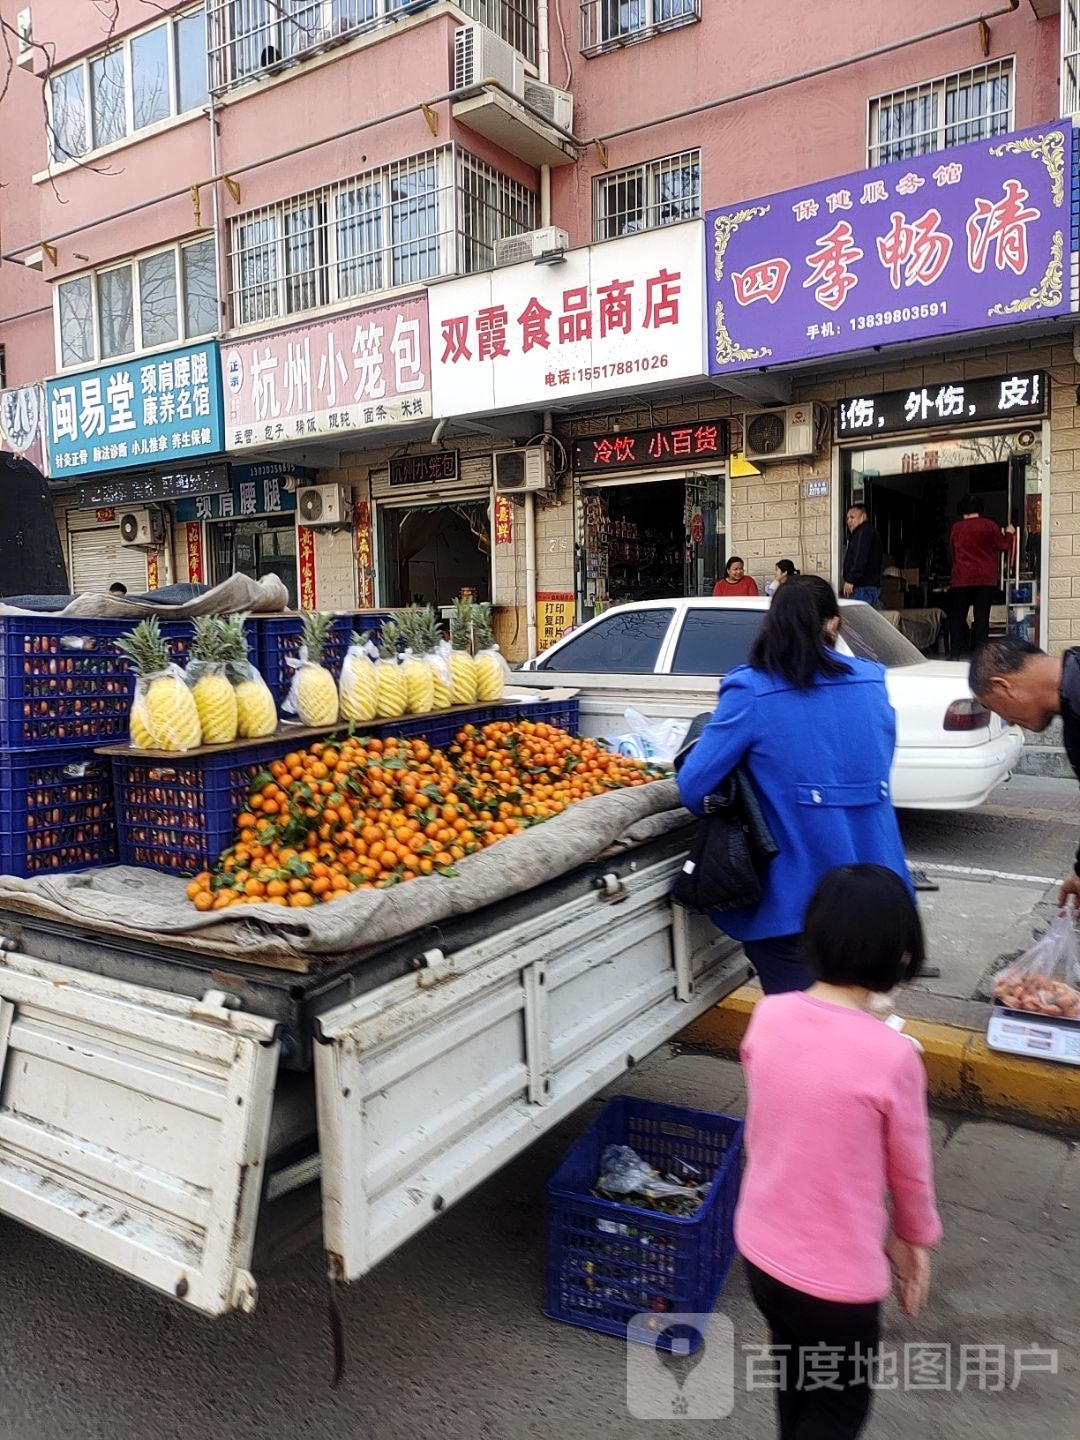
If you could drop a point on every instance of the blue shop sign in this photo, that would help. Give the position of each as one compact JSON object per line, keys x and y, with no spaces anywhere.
{"x":161,"y":409}
{"x":267,"y":488}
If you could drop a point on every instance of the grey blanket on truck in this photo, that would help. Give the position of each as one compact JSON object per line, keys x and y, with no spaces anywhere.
{"x":129,"y":902}
{"x":176,"y":602}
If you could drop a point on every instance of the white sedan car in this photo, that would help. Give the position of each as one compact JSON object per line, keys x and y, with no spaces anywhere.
{"x":666,"y":657}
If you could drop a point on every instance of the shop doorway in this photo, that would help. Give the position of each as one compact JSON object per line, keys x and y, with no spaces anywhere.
{"x":912,"y":493}
{"x":432,"y":553}
{"x":257,"y":548}
{"x":649,"y":540}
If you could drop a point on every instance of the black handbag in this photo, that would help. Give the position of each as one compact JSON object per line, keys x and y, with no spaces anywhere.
{"x":733,"y":845}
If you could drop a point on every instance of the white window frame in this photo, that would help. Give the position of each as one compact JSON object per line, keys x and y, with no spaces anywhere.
{"x":1070,"y":57}
{"x":937,"y":91}
{"x":648,"y":173}
{"x":169,"y":22}
{"x":132,"y":263}
{"x":597,"y":38}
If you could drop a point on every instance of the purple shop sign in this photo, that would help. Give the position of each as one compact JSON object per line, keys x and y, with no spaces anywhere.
{"x":972,"y":237}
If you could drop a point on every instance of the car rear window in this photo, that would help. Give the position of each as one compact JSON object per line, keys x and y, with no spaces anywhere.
{"x":872,"y":638}
{"x":626,"y":641}
{"x":714,"y":641}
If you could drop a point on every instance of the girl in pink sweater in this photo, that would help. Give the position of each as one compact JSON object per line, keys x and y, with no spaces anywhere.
{"x":836,"y":1122}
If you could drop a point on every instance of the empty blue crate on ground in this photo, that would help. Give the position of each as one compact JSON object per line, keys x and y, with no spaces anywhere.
{"x":63,"y":681}
{"x":609,"y":1260}
{"x":56,"y":812}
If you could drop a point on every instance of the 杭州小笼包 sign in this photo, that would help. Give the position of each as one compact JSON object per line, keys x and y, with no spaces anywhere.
{"x":158,"y":409}
{"x":964,"y":239}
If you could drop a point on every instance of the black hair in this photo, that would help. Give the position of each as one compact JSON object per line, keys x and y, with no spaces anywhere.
{"x":733,"y":560}
{"x":1004,"y":656}
{"x":970,"y":505}
{"x":860,"y":924}
{"x":790,"y":642}
{"x":786,"y":567}
{"x":118,"y":588}
{"x":858,"y":505}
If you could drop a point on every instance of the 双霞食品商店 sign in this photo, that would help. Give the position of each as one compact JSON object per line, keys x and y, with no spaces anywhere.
{"x":150,"y":410}
{"x":969,"y":238}
{"x":358,"y":371}
{"x":625,"y":314}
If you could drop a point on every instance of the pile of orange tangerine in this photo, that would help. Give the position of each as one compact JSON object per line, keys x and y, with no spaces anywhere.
{"x":365,"y":814}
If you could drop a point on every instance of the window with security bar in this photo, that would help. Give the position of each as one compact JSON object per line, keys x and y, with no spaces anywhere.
{"x":645,"y":197}
{"x":251,"y":37}
{"x":1070,"y":57}
{"x":606,"y":24}
{"x":953,"y":110}
{"x":435,"y":214}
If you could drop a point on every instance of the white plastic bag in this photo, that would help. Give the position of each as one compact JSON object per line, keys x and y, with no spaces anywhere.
{"x":358,"y":687}
{"x":656,"y":740}
{"x":164,"y":715}
{"x":1045,"y":980}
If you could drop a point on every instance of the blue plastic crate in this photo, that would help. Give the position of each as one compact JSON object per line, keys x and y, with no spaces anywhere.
{"x":563,"y":714}
{"x":179,"y":815}
{"x":608,"y":1262}
{"x":56,"y":812}
{"x":277,"y":637}
{"x":63,"y":681}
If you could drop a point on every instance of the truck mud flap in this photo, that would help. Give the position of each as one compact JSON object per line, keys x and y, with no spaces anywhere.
{"x":430,"y":1084}
{"x":133,"y":1126}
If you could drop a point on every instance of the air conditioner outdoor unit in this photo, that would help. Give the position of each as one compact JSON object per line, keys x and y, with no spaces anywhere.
{"x":519,"y":470}
{"x":480,"y":54}
{"x":513,"y":249}
{"x":142,"y":527}
{"x":557,"y":105}
{"x":781,"y":434}
{"x":322,"y":505}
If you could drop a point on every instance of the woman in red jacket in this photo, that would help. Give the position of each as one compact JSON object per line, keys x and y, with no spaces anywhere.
{"x":736,"y":581}
{"x":974,"y":544}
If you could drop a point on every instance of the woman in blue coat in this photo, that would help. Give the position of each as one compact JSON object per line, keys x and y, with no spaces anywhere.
{"x":816,"y":732}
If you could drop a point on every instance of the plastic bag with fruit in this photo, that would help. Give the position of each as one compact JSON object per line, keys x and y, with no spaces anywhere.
{"x":358,"y":687}
{"x":256,"y":711}
{"x":1045,"y":980}
{"x":164,"y":715}
{"x":492,"y":671}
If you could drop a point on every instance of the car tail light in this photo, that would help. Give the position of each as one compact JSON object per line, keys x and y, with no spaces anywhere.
{"x":967,"y":715}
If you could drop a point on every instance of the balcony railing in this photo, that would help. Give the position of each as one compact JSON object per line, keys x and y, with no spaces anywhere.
{"x":610,"y":24}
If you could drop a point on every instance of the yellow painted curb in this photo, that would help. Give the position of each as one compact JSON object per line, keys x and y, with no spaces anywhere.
{"x":962,"y":1071}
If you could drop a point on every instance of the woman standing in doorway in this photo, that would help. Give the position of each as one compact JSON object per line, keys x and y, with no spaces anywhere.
{"x":975,"y":543}
{"x":735,"y":581}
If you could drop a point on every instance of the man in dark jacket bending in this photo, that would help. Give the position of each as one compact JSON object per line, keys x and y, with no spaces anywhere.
{"x":1027,"y":687}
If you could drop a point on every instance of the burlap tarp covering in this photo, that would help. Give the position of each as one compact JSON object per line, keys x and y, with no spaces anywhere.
{"x":125,"y":901}
{"x":231,"y":597}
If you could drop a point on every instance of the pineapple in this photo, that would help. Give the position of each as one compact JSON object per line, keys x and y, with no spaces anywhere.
{"x":462,"y":665}
{"x":426,"y":642}
{"x":393,"y":697}
{"x":165,"y":709}
{"x":415,"y":671}
{"x":490,"y":666}
{"x":256,"y":713}
{"x":358,"y":688}
{"x":215,"y":698}
{"x":140,"y":735}
{"x":314,"y":694}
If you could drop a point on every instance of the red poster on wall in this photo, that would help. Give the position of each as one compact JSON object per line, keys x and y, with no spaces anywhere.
{"x":365,"y":559}
{"x":194,"y":552}
{"x":305,"y":544}
{"x":152,"y":571}
{"x":504,"y":520}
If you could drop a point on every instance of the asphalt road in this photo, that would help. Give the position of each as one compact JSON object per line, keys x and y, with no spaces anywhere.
{"x":447,"y":1338}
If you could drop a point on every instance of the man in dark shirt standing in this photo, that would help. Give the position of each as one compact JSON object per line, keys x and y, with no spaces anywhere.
{"x":1027,"y":687}
{"x":862,"y":558}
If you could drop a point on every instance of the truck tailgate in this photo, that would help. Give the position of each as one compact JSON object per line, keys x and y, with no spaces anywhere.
{"x":428,"y":1085}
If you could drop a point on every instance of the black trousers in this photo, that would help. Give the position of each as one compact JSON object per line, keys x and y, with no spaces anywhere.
{"x":961,"y":598}
{"x":777,"y":963}
{"x":825,"y":1351}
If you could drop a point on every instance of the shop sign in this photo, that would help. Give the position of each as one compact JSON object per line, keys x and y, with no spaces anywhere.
{"x":305,"y":547}
{"x":634,"y":449}
{"x":620,"y":315}
{"x":251,"y":490}
{"x":22,"y":414}
{"x":148,"y":489}
{"x":365,"y":558}
{"x":911,"y":457}
{"x":504,"y":520}
{"x":555,"y":616}
{"x":161,"y":409}
{"x":359,"y":371}
{"x":416,"y":470}
{"x":194,"y":538}
{"x":961,"y":402}
{"x":105,"y":516}
{"x":966,"y":239}
{"x":817,"y":489}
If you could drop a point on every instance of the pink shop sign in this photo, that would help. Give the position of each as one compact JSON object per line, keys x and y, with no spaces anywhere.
{"x":364,"y":370}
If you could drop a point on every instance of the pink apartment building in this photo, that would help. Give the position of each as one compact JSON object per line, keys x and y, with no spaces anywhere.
{"x":396,"y":299}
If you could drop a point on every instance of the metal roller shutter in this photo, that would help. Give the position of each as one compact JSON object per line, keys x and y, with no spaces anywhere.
{"x":98,"y":559}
